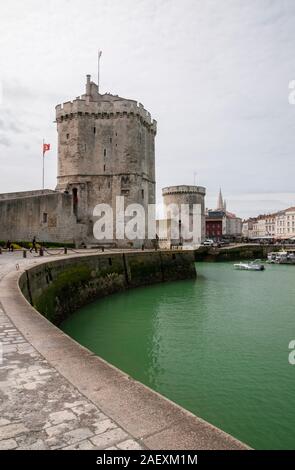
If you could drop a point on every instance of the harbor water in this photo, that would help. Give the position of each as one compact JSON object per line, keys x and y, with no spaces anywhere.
{"x":217,"y":346}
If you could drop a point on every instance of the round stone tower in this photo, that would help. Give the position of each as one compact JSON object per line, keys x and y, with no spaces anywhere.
{"x":106,"y":148}
{"x":189,"y":195}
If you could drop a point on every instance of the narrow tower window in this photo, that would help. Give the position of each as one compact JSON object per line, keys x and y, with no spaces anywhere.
{"x":94,"y":130}
{"x":105,"y":152}
{"x":75,"y":201}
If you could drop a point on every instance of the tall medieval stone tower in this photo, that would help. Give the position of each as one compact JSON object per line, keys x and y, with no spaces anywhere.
{"x":106,"y":148}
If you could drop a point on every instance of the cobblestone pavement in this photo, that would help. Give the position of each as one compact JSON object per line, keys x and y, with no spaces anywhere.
{"x":39,"y":408}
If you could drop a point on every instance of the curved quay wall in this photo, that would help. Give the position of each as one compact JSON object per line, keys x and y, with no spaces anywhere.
{"x":58,"y":287}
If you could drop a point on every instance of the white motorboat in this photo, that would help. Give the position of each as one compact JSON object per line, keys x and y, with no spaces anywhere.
{"x":255,"y":265}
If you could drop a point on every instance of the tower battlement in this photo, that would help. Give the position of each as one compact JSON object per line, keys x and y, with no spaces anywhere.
{"x":184,"y":189}
{"x":104,"y":106}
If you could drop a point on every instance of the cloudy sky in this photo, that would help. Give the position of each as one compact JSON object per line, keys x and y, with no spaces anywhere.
{"x":213,"y":73}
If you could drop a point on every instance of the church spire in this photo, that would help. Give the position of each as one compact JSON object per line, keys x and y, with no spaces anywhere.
{"x":220,"y":204}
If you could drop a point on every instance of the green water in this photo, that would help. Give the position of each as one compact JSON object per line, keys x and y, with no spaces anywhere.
{"x":217,"y":346}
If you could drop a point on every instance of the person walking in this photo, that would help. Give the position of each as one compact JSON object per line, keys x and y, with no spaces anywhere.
{"x":34,"y":245}
{"x":9,"y":246}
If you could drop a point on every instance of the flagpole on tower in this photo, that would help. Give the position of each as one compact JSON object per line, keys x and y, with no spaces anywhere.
{"x":98,"y":69}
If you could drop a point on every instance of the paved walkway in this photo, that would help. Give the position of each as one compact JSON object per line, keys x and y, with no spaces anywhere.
{"x":39,"y":408}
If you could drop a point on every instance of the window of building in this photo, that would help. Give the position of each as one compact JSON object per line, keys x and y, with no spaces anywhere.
{"x":142,"y":193}
{"x":45,"y":217}
{"x":94,"y":130}
{"x":104,"y":168}
{"x":68,"y":136}
{"x":111,"y":140}
{"x":105,"y":152}
{"x":75,"y":201}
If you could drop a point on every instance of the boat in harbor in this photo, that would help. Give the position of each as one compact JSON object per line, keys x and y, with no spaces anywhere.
{"x":255,"y":265}
{"x":281,"y":257}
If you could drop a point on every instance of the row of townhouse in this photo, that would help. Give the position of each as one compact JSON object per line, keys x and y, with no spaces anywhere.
{"x":280,"y":225}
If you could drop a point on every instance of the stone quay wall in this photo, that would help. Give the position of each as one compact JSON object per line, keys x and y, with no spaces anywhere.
{"x":58,"y":288}
{"x":234,"y":253}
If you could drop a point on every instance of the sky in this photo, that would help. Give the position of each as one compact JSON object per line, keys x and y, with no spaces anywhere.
{"x":214,"y":74}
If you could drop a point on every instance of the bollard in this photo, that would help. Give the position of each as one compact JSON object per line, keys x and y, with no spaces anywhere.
{"x":41,"y":252}
{"x":142,"y":247}
{"x":65,"y":250}
{"x":24,"y":253}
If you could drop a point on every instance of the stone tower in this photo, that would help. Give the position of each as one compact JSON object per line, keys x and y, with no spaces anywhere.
{"x":106,"y":148}
{"x":189,"y":195}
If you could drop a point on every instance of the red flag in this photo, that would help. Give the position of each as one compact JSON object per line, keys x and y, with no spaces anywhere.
{"x":46,"y":147}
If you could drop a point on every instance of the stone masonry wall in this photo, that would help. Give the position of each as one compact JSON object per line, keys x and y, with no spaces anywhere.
{"x":49,"y":217}
{"x":58,"y":288}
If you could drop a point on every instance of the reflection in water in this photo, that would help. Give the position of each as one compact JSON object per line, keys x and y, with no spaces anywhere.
{"x":217,"y":346}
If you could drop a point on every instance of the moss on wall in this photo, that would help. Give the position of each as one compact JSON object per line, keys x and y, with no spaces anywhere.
{"x":73,"y":288}
{"x":58,"y":288}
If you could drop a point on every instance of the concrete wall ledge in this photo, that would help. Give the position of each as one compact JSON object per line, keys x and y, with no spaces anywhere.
{"x":148,"y":416}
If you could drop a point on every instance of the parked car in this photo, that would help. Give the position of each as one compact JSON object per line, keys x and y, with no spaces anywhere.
{"x":223,"y":242}
{"x":208,"y":242}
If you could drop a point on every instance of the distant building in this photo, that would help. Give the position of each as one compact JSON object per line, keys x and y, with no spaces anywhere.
{"x":215,"y":222}
{"x":270,"y":225}
{"x":221,"y":223}
{"x":259,"y":227}
{"x":247,"y":227}
{"x":290,"y":222}
{"x":279,"y":225}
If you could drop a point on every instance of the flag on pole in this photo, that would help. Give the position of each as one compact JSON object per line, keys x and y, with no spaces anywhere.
{"x":46,"y":147}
